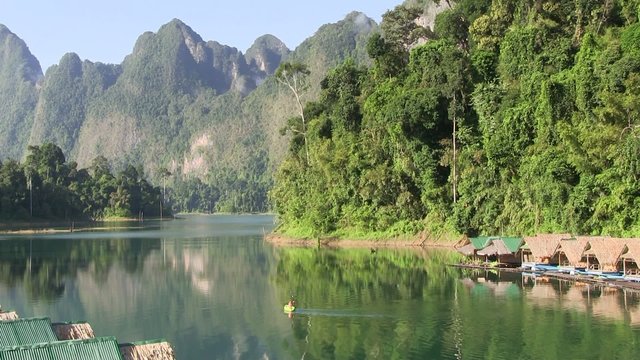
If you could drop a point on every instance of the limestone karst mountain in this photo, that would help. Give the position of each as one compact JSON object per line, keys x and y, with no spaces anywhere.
{"x":197,"y":108}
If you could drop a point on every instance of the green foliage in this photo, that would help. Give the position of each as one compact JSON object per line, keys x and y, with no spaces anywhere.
{"x":19,"y":73}
{"x":544,"y":98}
{"x":45,"y":186}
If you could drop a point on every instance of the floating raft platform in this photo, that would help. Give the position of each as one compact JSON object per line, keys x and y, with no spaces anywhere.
{"x":33,"y":338}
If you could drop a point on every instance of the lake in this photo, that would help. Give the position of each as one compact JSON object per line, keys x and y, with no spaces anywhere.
{"x":215,"y":290}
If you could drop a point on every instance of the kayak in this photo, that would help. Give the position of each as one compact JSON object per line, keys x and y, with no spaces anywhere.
{"x":289,"y":308}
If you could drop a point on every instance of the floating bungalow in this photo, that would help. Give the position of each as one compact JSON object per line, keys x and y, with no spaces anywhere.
{"x":631,"y":258}
{"x":505,"y":250}
{"x":26,"y":331}
{"x":470,"y":246}
{"x":38,"y":338}
{"x":617,"y":258}
{"x":542,"y":247}
{"x":572,"y":251}
{"x":104,"y":348}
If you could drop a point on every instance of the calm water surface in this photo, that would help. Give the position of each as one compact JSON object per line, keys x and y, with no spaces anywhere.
{"x":215,"y":290}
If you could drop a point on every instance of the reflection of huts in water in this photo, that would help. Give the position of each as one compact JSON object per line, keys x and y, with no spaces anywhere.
{"x":633,"y":312}
{"x":497,"y":288}
{"x":572,"y":298}
{"x":542,"y":294}
{"x":542,"y":247}
{"x":601,"y":302}
{"x":608,"y":305}
{"x":507,"y":289}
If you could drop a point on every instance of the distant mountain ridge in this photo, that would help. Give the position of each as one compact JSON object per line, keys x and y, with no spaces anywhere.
{"x":20,"y":72}
{"x":200,"y":109}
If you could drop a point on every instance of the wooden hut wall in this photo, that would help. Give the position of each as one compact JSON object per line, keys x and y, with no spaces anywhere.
{"x":543,"y":246}
{"x":573,"y":249}
{"x":608,"y":251}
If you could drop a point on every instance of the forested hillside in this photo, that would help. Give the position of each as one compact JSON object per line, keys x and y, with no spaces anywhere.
{"x":508,"y":117}
{"x":19,"y":73}
{"x":47,"y":187}
{"x":200,"y":115}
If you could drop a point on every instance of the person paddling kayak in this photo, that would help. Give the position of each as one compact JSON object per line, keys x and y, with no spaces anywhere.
{"x":290,"y":306}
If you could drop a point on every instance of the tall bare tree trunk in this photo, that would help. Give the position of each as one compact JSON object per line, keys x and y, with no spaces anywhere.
{"x":453,"y":165}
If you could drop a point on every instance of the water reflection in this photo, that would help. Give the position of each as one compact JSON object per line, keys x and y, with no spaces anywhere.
{"x":214,"y":289}
{"x":201,"y":283}
{"x":41,"y":265}
{"x":549,"y":293}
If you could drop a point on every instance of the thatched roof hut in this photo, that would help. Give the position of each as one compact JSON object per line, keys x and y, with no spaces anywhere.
{"x":467,"y":249}
{"x":544,"y":246}
{"x":573,"y":249}
{"x":502,"y":246}
{"x":73,"y":331}
{"x":8,"y":315}
{"x":607,"y":250}
{"x":633,"y":250}
{"x":147,"y":350}
{"x":471,"y":245}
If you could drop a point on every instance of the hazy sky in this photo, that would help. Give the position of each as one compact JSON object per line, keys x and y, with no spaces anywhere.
{"x":106,"y":31}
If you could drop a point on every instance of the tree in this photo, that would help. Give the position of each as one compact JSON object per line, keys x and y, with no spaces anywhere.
{"x":442,"y":65}
{"x":400,"y":32}
{"x":163,"y":173}
{"x":295,"y":77}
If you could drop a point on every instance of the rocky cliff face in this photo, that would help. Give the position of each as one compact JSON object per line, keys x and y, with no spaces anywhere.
{"x":265,"y":55}
{"x":20,"y":74}
{"x":67,"y":91}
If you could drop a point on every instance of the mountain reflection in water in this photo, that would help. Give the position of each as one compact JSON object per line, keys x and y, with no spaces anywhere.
{"x":213,"y":288}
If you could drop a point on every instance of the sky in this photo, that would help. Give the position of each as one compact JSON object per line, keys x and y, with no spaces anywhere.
{"x":106,"y":31}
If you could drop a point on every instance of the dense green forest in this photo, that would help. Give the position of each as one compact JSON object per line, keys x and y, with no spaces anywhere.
{"x":513,"y":117}
{"x":46,"y":187}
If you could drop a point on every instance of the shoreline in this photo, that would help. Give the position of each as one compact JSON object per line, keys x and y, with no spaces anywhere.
{"x":58,"y":227}
{"x":418,"y":241}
